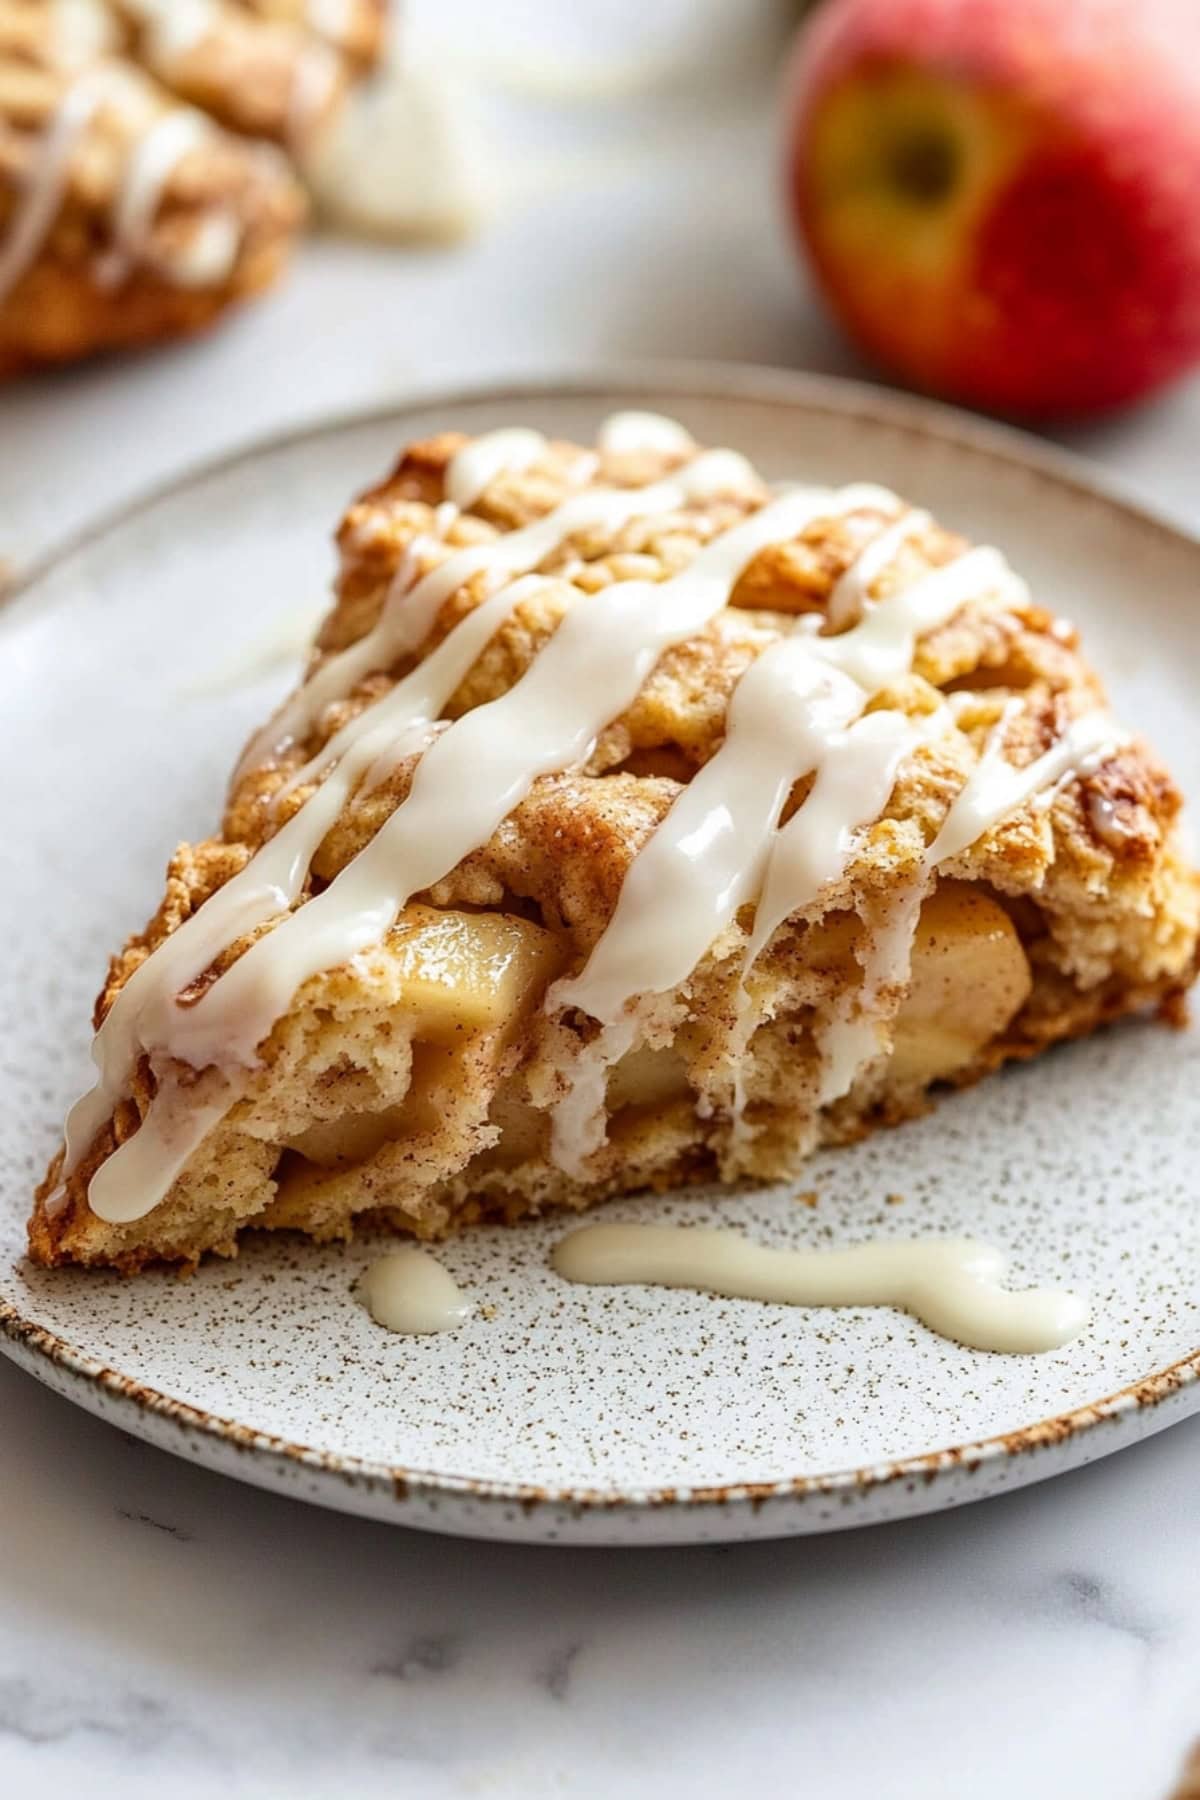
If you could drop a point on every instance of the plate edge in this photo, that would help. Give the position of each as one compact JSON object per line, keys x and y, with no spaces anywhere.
{"x":763,"y":383}
{"x":28,"y":1343}
{"x":25,"y":1342}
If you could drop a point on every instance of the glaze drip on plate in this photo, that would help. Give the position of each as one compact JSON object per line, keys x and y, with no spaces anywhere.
{"x":808,"y":706}
{"x":952,"y":1285}
{"x":409,"y":1291}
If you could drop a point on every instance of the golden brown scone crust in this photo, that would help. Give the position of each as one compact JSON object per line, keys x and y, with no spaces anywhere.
{"x":1096,"y":885}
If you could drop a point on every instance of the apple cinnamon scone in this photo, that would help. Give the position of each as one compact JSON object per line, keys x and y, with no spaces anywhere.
{"x":636,"y":823}
{"x":125,"y":217}
{"x":148,"y":158}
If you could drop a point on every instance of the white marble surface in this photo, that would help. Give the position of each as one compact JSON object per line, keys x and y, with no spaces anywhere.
{"x":165,"y":1632}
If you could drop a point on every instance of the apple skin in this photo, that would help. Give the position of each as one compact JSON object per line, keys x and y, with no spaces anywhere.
{"x":1001,"y":198}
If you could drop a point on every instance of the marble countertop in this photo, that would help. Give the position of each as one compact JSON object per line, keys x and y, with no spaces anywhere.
{"x":167,"y":1632}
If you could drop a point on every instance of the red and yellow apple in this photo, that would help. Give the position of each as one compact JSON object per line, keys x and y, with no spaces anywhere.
{"x":1001,"y":198}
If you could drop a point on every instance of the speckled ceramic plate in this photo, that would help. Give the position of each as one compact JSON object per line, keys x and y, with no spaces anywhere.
{"x":133,"y":665}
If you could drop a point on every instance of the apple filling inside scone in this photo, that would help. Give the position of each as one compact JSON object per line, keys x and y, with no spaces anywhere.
{"x":635,"y":824}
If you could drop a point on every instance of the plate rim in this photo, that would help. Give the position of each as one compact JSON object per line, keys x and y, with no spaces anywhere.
{"x":698,"y":379}
{"x":25,"y":1342}
{"x":39,"y":1350}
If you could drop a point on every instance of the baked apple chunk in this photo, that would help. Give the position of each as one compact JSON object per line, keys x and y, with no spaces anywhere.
{"x":970,"y":978}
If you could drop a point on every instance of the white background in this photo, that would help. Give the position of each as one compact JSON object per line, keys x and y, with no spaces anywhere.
{"x":165,"y":1632}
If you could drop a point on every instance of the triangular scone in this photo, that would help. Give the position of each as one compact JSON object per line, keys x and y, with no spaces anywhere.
{"x":635,"y":824}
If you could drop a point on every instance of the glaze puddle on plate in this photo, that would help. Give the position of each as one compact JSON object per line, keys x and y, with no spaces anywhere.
{"x":602,"y":1414}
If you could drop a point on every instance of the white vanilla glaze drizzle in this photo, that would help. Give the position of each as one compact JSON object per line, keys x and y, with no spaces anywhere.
{"x":796,"y":711}
{"x":409,"y":1291}
{"x":994,"y":789}
{"x":150,"y":165}
{"x":625,"y":432}
{"x":173,"y":27}
{"x":951,"y":1284}
{"x":813,"y":850}
{"x":719,"y":848}
{"x":213,"y":244}
{"x":410,"y":611}
{"x":850,"y":1038}
{"x":708,"y":857}
{"x":851,"y":789}
{"x":997,"y":787}
{"x":210,"y":252}
{"x":848,"y":599}
{"x":420,"y":696}
{"x":881,"y":646}
{"x":478,"y":463}
{"x":46,"y":180}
